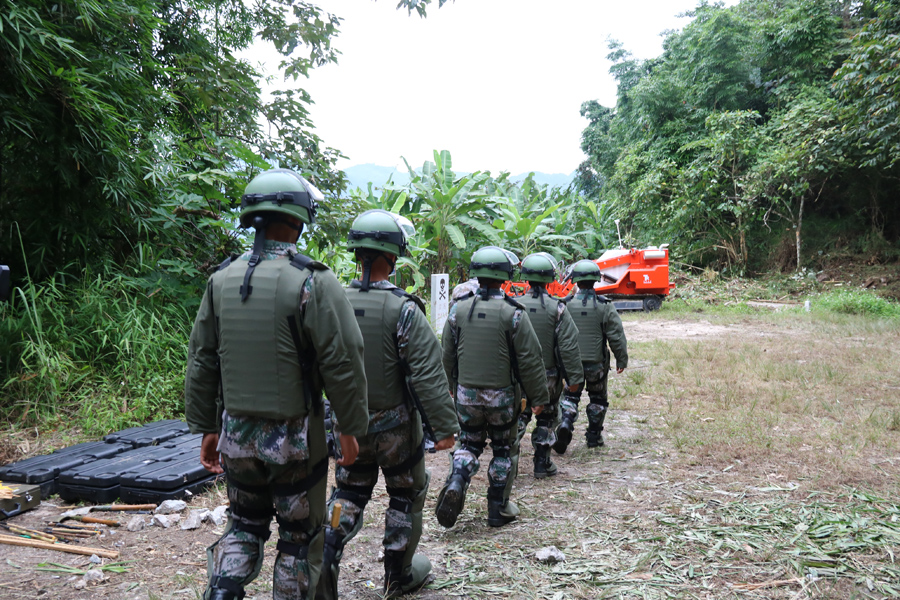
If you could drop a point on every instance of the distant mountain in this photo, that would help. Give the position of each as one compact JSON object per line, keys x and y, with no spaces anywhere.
{"x":361,"y":175}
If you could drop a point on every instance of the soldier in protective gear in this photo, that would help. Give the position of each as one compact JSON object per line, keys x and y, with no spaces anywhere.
{"x":490,"y":348}
{"x":559,"y":348}
{"x":464,"y":289}
{"x":405,"y":377}
{"x":274,"y":329}
{"x":599,"y":330}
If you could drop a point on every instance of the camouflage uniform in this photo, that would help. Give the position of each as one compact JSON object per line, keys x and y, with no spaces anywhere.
{"x":394,"y":444}
{"x":595,"y":373}
{"x":464,"y":290}
{"x":277,"y":467}
{"x":492,"y":412}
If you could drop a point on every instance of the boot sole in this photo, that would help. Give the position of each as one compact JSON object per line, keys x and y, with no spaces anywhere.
{"x":450,"y":507}
{"x":501,"y":521}
{"x":544,"y":474}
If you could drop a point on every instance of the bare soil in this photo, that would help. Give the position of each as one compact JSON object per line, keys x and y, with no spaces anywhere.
{"x":619,"y":514}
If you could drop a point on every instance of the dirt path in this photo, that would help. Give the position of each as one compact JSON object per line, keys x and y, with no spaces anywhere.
{"x":611,"y":511}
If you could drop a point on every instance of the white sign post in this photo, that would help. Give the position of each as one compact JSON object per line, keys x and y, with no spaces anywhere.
{"x":440,"y":300}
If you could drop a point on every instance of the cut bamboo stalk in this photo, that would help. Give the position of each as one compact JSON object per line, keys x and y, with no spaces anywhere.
{"x":85,"y":550}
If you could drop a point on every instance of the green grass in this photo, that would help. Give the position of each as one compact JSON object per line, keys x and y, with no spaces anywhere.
{"x":857,"y":302}
{"x":96,"y":353}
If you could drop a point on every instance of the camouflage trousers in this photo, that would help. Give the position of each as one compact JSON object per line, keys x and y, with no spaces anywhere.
{"x":544,"y":433}
{"x":295,"y":494}
{"x":488,"y":414}
{"x":595,"y":378}
{"x":393,"y":444}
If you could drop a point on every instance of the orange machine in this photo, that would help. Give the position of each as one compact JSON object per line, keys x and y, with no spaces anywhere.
{"x":635,"y":279}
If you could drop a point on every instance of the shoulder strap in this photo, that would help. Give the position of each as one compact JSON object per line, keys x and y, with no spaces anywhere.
{"x":602,"y":299}
{"x":407,"y":296}
{"x":227,"y":262}
{"x":512,"y":302}
{"x":301,"y":261}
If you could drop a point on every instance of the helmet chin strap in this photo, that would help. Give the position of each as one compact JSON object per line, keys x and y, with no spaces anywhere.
{"x":367,"y":269}
{"x":259,"y":223}
{"x":538,"y":292}
{"x":367,"y":273}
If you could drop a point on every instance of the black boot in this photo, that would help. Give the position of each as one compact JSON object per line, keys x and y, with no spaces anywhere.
{"x":596,"y":417}
{"x":223,"y":588}
{"x":393,"y":573}
{"x":543,"y":466}
{"x":499,"y":514}
{"x":594,"y":438}
{"x":563,"y":435}
{"x":452,"y":498}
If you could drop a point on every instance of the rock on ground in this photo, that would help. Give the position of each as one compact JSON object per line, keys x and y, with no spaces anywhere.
{"x":197,"y":516}
{"x":170,"y":507}
{"x":218,"y":515}
{"x":136,"y":523}
{"x":550,"y":555}
{"x":163,"y":521}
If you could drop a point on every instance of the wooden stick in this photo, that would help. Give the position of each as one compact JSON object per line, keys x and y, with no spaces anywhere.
{"x":112,"y":507}
{"x":85,"y":550}
{"x":30,"y":533}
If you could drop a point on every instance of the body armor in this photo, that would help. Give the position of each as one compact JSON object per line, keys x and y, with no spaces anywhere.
{"x":377,"y":313}
{"x":543,"y":320}
{"x":589,"y":320}
{"x":485,"y":329}
{"x":261,"y":378}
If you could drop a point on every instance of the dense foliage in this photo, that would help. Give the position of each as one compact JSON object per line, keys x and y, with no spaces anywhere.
{"x":754,"y":119}
{"x":455,"y":215}
{"x":128,"y":131}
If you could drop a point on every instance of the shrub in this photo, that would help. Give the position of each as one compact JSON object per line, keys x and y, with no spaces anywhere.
{"x":858,"y":302}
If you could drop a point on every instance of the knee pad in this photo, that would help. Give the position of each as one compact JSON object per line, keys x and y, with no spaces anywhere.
{"x":541,"y":435}
{"x":222,"y":586}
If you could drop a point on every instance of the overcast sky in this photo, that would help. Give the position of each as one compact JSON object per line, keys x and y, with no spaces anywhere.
{"x":498,"y":83}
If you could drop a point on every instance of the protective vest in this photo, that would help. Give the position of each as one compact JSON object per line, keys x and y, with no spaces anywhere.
{"x":543,"y":319}
{"x":484,"y":343}
{"x":377,"y":313}
{"x":589,"y":321}
{"x":264,"y":372}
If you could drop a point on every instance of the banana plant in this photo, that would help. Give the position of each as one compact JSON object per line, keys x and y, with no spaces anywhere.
{"x":441,"y":206}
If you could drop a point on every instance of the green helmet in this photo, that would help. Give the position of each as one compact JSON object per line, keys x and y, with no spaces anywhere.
{"x":380,"y":230}
{"x":585,"y":270}
{"x":280,"y":191}
{"x":540,"y":267}
{"x":494,"y":263}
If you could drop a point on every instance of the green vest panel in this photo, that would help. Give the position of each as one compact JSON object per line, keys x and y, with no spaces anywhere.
{"x":588,"y":319}
{"x":377,"y":313}
{"x":483,"y":351}
{"x":261,"y":374}
{"x":543,"y":320}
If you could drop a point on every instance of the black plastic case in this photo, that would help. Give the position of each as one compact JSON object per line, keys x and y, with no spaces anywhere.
{"x":149,"y":434}
{"x":100,"y":480}
{"x":44,"y":470}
